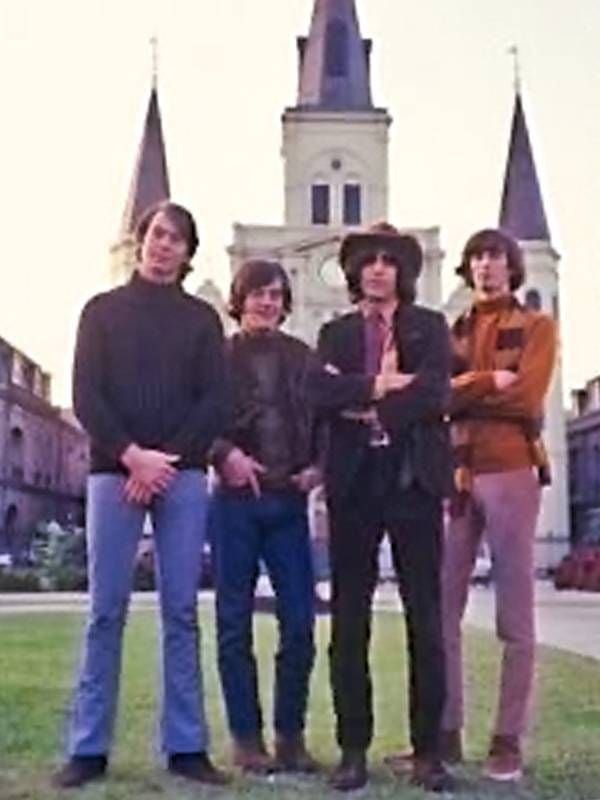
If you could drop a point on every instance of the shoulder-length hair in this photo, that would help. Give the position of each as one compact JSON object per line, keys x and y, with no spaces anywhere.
{"x":406,"y":279}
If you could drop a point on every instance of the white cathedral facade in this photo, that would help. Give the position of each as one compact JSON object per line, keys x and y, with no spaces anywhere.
{"x":335,"y":154}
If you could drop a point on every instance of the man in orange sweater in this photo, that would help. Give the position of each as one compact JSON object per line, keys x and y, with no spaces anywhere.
{"x":503,"y":359}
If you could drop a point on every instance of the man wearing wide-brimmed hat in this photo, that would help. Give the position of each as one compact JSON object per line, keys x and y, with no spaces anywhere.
{"x":387,"y":469}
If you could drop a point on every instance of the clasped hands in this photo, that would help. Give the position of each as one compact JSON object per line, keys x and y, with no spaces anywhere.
{"x":150,"y":473}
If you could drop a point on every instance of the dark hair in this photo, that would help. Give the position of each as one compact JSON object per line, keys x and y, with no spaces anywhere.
{"x":492,"y":240}
{"x":406,"y":278}
{"x":183,"y":221}
{"x":255,"y":274}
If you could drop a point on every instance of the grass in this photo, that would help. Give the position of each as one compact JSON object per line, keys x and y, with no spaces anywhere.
{"x":38,"y":660}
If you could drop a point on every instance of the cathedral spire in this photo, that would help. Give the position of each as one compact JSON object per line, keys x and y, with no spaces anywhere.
{"x":334,"y":60}
{"x":522,"y":211}
{"x":150,"y":181}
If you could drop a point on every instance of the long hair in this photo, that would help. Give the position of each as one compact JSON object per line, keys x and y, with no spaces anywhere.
{"x":406,"y":290}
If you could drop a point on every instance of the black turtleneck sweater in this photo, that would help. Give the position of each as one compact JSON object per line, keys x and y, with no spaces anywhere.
{"x":149,"y":370}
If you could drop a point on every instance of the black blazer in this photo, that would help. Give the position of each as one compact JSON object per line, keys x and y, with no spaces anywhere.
{"x":413,"y":417}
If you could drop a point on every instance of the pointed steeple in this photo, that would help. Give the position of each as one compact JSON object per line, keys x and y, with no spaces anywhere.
{"x":150,"y":181}
{"x":522,"y":211}
{"x":334,"y":60}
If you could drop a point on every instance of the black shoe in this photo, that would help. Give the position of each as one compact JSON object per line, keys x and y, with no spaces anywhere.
{"x":80,"y":770}
{"x":196,"y":767}
{"x":351,"y":773}
{"x":431,"y":775}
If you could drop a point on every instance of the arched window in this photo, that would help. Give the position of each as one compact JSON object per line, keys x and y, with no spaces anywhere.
{"x":16,"y":453}
{"x":533,"y":300}
{"x":336,"y":59}
{"x":9,"y":529}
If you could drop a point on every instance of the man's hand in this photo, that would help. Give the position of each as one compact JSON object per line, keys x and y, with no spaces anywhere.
{"x":239,"y":469}
{"x":136,"y":492}
{"x":391,"y":382}
{"x":503,"y":378}
{"x":150,"y":472}
{"x":307,"y":479}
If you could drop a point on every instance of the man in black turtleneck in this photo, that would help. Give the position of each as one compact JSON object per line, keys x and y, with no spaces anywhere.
{"x":149,"y":390}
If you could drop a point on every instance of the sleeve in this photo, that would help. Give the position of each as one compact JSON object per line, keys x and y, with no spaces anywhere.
{"x":525,"y":397}
{"x":468,"y":387}
{"x":427,"y":397}
{"x":331,"y":389}
{"x":89,"y":384}
{"x":208,"y":414}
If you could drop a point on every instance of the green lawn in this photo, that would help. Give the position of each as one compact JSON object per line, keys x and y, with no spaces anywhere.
{"x":38,"y":657}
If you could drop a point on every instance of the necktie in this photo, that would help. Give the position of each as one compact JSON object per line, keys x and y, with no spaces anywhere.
{"x":375,"y":330}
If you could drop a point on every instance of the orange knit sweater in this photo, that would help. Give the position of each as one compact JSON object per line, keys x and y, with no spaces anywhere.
{"x":500,"y":444}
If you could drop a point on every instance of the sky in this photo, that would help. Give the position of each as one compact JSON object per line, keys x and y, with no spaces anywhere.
{"x":75,"y":77}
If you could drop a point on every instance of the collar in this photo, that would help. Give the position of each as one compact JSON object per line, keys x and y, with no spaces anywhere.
{"x":387,"y":313}
{"x":149,"y":289}
{"x":503,"y":303}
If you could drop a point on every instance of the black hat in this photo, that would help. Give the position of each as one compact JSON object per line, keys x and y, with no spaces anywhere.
{"x":383,"y":236}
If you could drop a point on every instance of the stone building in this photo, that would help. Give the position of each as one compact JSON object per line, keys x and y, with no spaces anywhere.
{"x":335,"y":153}
{"x":583,"y":436}
{"x":43,"y":454}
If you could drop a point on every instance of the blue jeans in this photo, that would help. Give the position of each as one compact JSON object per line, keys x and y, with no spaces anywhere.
{"x":114,"y":527}
{"x":272,"y":528}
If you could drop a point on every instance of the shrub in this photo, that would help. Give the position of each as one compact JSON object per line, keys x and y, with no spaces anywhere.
{"x":61,"y":558}
{"x":19,"y":580}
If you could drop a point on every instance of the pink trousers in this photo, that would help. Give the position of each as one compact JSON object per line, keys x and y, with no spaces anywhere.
{"x":503,"y":508}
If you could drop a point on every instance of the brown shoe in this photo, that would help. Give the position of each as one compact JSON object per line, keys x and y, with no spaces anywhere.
{"x":431,"y":775}
{"x":251,"y":755}
{"x":401,"y":764}
{"x":451,"y":747}
{"x":80,"y":770}
{"x":351,"y":773}
{"x":196,"y":767}
{"x":505,"y":760}
{"x":291,"y":755}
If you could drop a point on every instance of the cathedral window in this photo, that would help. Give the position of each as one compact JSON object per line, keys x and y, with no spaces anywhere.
{"x":336,"y":49}
{"x":352,"y":204}
{"x":320,"y":204}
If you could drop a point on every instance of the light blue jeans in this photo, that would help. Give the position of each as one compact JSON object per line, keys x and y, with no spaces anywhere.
{"x":114,"y":527}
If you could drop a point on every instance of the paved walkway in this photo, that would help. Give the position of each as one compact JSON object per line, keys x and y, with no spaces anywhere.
{"x":568,"y":620}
